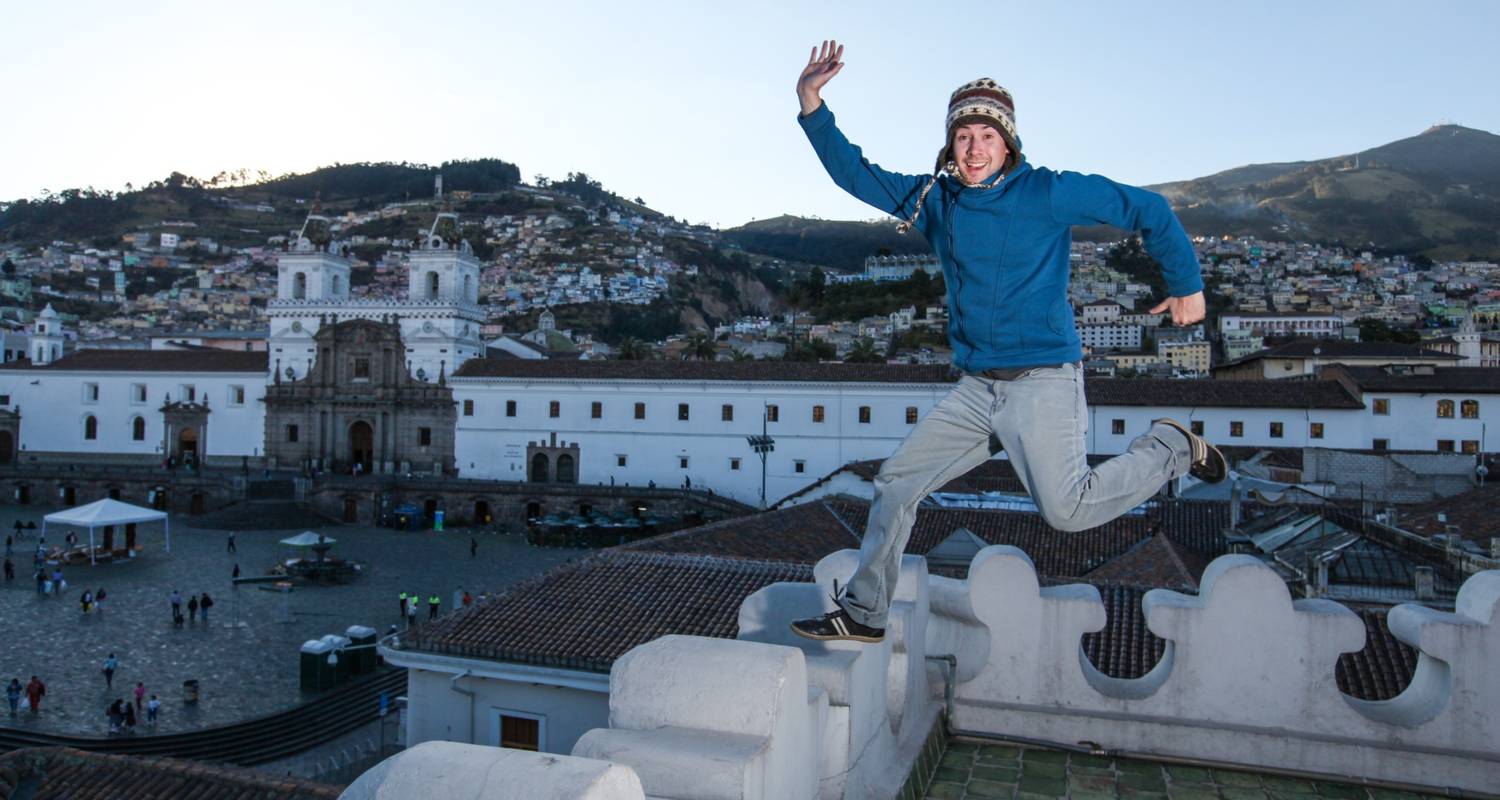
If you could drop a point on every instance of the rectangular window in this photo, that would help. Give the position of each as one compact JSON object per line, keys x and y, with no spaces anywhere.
{"x":1196,"y":426}
{"x":424,"y":437}
{"x":1470,"y":409}
{"x":361,"y":370}
{"x":620,"y":459}
{"x":1445,"y":409}
{"x":236,"y":395}
{"x":1315,"y":430}
{"x":468,"y":408}
{"x":510,"y":408}
{"x":1382,"y":406}
{"x":1445,"y":445}
{"x":734,"y":464}
{"x":911,"y":415}
{"x":1471,"y":447}
{"x":91,"y":393}
{"x":137,"y":392}
{"x":726,"y":413}
{"x":291,"y":433}
{"x":773,"y":413}
{"x":799,"y":467}
{"x":817,"y":413}
{"x":1236,"y":429}
{"x":1276,"y":430}
{"x":188,"y":394}
{"x":1117,"y":427}
{"x":682,"y":462}
{"x":596,"y":410}
{"x":554,"y":409}
{"x":640,"y":410}
{"x":4,"y":399}
{"x":864,"y":415}
{"x":682,"y":411}
{"x":1380,"y":444}
{"x":521,"y":733}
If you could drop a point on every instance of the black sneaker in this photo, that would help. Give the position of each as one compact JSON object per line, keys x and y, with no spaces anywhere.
{"x":1209,"y":464}
{"x":836,"y":626}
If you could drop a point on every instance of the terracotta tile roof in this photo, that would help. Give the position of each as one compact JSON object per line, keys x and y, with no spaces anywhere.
{"x":1382,"y":669}
{"x":1339,"y":348}
{"x":665,"y":370}
{"x":62,"y":773}
{"x":1471,"y":380}
{"x":1202,"y":393}
{"x":1157,"y":562}
{"x":205,"y":360}
{"x":1055,"y":554}
{"x":586,"y":613}
{"x":1474,"y":512}
{"x":801,"y":534}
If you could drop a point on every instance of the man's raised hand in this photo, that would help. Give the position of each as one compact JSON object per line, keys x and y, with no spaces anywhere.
{"x":1185,"y":310}
{"x":822,"y":65}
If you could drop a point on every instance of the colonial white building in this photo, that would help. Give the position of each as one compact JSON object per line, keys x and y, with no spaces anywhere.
{"x":1324,"y":325}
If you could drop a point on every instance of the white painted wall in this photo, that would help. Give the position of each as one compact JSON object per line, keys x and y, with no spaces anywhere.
{"x":436,"y":712}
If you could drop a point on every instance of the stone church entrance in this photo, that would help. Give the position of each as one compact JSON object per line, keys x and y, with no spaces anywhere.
{"x":361,"y":445}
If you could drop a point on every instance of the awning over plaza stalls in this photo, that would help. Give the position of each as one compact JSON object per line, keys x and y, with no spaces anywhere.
{"x":106,"y":513}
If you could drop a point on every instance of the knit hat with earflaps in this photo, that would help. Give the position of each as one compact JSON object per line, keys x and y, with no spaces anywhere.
{"x":980,"y":101}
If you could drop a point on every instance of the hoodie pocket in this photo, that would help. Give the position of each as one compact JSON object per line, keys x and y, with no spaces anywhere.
{"x":1060,"y":316}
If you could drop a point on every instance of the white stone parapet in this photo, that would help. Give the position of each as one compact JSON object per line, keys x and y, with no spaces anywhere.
{"x":1246,"y":679}
{"x":454,"y":771}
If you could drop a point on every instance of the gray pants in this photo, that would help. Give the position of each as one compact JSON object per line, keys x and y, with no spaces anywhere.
{"x":1040,"y":419}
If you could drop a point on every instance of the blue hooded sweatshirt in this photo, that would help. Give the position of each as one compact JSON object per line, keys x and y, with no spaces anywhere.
{"x":1005,"y":250}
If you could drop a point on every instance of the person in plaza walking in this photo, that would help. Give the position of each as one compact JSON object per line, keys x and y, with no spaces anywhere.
{"x":99,"y":600}
{"x":110,"y":665}
{"x":13,"y":695}
{"x":116,"y":715}
{"x":403,"y":604}
{"x":35,"y":691}
{"x":1001,"y":229}
{"x":232,"y":548}
{"x":473,"y":547}
{"x":433,"y":603}
{"x":86,"y":601}
{"x":236,"y":573}
{"x":204,"y":604}
{"x":411,"y":614}
{"x":129,"y":717}
{"x":152,"y":707}
{"x":176,"y":605}
{"x":192,"y":608}
{"x":10,"y":570}
{"x":140,"y":694}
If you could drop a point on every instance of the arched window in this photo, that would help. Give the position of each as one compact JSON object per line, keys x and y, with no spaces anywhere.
{"x":1445,"y":409}
{"x":432,"y":286}
{"x":539,"y":468}
{"x":138,"y":429}
{"x":337,"y":286}
{"x":90,"y":428}
{"x":1470,"y":409}
{"x":565,"y":469}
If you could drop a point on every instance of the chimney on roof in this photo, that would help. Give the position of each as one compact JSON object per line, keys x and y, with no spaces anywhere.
{"x":1424,"y":583}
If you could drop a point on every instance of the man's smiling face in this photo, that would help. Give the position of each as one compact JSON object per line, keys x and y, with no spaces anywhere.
{"x":979,"y":150}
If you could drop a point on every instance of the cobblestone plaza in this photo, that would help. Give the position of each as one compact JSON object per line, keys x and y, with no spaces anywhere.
{"x":244,"y":670}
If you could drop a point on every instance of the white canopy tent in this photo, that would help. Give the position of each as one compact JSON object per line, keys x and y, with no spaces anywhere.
{"x":308,"y":539}
{"x":106,"y":512}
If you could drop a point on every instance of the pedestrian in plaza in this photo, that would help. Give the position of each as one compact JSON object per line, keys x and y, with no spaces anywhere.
{"x":192,"y":608}
{"x":231,"y":543}
{"x":41,"y":581}
{"x":411,"y":614}
{"x":116,"y":716}
{"x":129,"y":718}
{"x":433,"y":603}
{"x":473,"y":547}
{"x":59,"y":584}
{"x":140,"y":694}
{"x":403,"y":604}
{"x":9,"y":548}
{"x":99,"y":600}
{"x":152,"y":706}
{"x":110,"y":665}
{"x":10,"y":570}
{"x":458,"y":597}
{"x":1001,"y":230}
{"x":86,"y":602}
{"x":236,"y":574}
{"x":13,"y":694}
{"x":19,"y":531}
{"x":176,"y":605}
{"x":205,"y":603}
{"x":35,"y":691}
{"x":468,"y":599}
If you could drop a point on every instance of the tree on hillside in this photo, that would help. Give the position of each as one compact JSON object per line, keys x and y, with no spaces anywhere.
{"x":700,"y":347}
{"x":864,"y":351}
{"x":9,"y":267}
{"x":633,"y":349}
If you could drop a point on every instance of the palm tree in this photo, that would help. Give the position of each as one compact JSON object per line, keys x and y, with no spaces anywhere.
{"x":864,"y":352}
{"x":633,"y":349}
{"x":699,"y":346}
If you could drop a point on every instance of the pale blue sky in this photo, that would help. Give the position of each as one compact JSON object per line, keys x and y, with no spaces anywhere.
{"x":690,"y":105}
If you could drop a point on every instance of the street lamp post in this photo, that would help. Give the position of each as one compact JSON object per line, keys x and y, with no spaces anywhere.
{"x":762,"y":445}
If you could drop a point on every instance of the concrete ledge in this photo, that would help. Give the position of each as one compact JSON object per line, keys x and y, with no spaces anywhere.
{"x":455,"y":771}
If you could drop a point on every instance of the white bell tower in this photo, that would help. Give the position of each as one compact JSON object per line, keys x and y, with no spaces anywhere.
{"x":47,"y":337}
